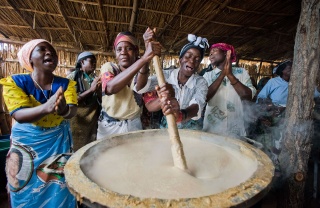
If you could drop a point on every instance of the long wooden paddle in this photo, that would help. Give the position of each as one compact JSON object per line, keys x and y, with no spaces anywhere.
{"x":179,"y":159}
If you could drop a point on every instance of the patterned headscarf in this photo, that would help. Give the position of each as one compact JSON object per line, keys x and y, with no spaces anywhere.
{"x":226,"y":47}
{"x":195,"y":42}
{"x":127,"y":37}
{"x":25,"y":53}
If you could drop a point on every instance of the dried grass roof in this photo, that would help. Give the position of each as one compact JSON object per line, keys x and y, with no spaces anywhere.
{"x":263,"y":29}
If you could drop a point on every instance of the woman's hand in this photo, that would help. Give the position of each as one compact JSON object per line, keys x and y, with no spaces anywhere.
{"x":50,"y":105}
{"x":96,"y":84}
{"x":55,"y":104}
{"x":149,"y":35}
{"x":153,"y":48}
{"x":165,"y":90}
{"x":227,"y":69}
{"x":170,"y":105}
{"x":61,"y":106}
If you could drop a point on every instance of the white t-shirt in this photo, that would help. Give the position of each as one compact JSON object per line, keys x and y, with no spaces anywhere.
{"x":224,"y":112}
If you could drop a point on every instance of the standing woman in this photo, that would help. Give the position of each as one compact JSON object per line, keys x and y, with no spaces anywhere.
{"x":228,"y":87}
{"x":40,"y":102}
{"x":84,"y":124}
{"x":188,"y":99}
{"x":121,"y":105}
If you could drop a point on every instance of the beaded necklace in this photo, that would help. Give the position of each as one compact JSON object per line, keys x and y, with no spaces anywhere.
{"x":180,"y":84}
{"x":41,"y":87}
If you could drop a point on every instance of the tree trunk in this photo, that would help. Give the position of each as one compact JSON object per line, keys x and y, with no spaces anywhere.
{"x":298,"y":130}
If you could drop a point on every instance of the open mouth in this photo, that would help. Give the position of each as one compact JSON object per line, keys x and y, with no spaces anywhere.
{"x":189,"y":68}
{"x":49,"y":61}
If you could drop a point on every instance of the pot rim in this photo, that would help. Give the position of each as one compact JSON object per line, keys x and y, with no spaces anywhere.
{"x":245,"y":194}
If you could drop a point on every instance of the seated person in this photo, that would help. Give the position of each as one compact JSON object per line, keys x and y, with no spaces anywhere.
{"x":276,"y":88}
{"x":262,"y":82}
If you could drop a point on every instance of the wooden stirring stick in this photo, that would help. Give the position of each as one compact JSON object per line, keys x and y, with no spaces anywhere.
{"x":179,"y":159}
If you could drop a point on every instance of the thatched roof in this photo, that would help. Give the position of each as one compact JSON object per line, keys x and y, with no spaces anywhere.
{"x":259,"y":29}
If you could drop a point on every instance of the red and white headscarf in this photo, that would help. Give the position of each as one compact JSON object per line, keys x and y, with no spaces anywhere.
{"x":25,"y":53}
{"x":226,"y":47}
{"x":127,"y":37}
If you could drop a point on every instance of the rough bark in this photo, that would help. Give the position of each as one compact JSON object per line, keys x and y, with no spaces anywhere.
{"x":299,"y":127}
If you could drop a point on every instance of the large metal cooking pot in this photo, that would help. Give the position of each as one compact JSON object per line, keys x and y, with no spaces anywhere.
{"x":244,"y":194}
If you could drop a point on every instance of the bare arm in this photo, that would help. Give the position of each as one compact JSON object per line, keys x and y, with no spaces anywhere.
{"x":171,"y":106}
{"x":168,"y":103}
{"x":243,"y":91}
{"x":125,"y":77}
{"x":61,"y":106}
{"x":142,"y":77}
{"x":192,"y":111}
{"x":153,"y":105}
{"x":164,"y":91}
{"x":56,"y":103}
{"x":29,"y":115}
{"x":95,"y":87}
{"x":143,"y":74}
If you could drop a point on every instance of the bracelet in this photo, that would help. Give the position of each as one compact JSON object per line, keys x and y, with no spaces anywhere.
{"x":180,"y":118}
{"x":235,"y":82}
{"x":143,"y":72}
{"x":67,"y":113}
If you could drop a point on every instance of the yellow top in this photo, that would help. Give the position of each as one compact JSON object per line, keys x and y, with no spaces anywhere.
{"x":121,"y":105}
{"x":18,"y":92}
